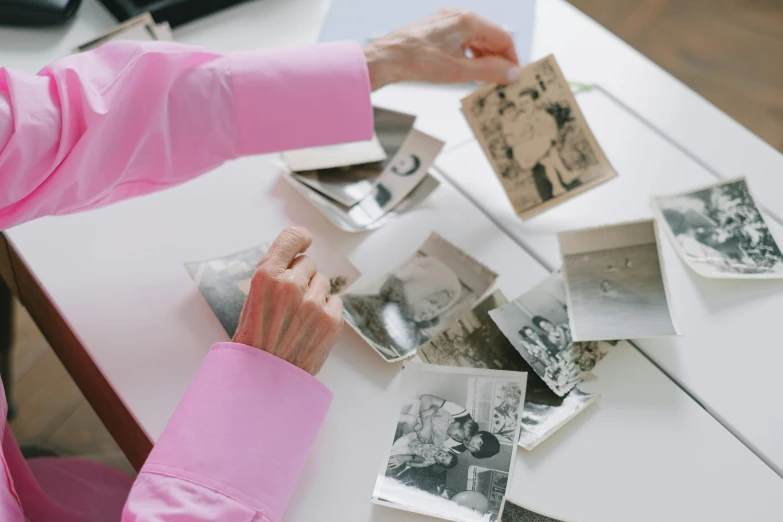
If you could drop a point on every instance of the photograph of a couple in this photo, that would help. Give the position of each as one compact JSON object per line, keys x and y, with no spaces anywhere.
{"x":536,"y":138}
{"x":720,"y":232}
{"x":537,"y":325}
{"x":399,"y":312}
{"x":444,"y":459}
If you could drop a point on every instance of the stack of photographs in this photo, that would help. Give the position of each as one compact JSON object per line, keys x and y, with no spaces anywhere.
{"x":513,"y":512}
{"x":360,"y":186}
{"x":225,"y":281}
{"x":536,"y":139}
{"x":402,"y":310}
{"x":719,"y":232}
{"x":452,"y":452}
{"x":140,"y":28}
{"x":475,"y":341}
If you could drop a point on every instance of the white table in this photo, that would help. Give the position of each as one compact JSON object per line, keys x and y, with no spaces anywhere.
{"x":116,"y":277}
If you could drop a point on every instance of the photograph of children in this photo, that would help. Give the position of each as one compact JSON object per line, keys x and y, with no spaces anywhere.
{"x":513,"y":512}
{"x":537,"y":139}
{"x":615,"y":284}
{"x":443,"y":459}
{"x":719,"y":231}
{"x":400,"y":311}
{"x":536,"y":324}
{"x":225,"y":281}
{"x":348,"y":181}
{"x":475,"y":341}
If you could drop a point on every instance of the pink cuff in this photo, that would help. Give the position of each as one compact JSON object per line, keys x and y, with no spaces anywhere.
{"x":244,"y":427}
{"x":300,"y":96}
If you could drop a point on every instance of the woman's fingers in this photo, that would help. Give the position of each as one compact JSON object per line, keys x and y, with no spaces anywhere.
{"x":490,"y":69}
{"x":490,"y":38}
{"x":319,"y":288}
{"x":303,"y":269}
{"x":290,"y":243}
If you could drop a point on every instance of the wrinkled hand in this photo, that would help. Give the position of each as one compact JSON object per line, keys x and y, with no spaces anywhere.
{"x":289,"y":312}
{"x":434,"y":50}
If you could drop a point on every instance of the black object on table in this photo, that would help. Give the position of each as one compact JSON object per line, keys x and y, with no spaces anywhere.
{"x":175,"y":12}
{"x":37,"y":12}
{"x":6,"y":341}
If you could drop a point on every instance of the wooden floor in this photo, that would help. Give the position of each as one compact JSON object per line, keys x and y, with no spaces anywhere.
{"x":729,"y":51}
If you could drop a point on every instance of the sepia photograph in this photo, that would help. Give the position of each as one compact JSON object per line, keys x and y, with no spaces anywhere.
{"x":615,"y":283}
{"x":537,"y":139}
{"x":362,"y":218}
{"x":536,"y":324}
{"x":350,"y":176}
{"x":720,"y":233}
{"x":444,"y":459}
{"x":225,"y":281}
{"x":513,"y":512}
{"x":400,"y":311}
{"x":475,"y":341}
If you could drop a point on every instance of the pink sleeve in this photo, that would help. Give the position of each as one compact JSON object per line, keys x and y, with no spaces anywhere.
{"x":131,"y":118}
{"x":236,"y":444}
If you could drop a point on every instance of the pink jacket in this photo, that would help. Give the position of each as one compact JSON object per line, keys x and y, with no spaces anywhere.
{"x":133,"y":118}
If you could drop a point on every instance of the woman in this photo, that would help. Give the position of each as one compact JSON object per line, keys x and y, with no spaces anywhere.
{"x":535,"y":345}
{"x":132,"y":118}
{"x":411,"y":300}
{"x":556,"y":338}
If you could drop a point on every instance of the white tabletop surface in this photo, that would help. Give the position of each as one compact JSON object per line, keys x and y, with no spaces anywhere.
{"x":645,"y":451}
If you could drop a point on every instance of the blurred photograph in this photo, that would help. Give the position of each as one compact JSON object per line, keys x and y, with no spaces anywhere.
{"x":536,"y":324}
{"x":513,"y":512}
{"x":402,"y":310}
{"x":615,"y":283}
{"x":475,"y":341}
{"x":225,"y":281}
{"x":537,"y":139}
{"x":720,"y":233}
{"x":445,"y":460}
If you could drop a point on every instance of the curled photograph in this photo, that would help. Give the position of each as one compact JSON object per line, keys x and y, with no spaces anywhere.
{"x":400,"y":311}
{"x":537,"y":139}
{"x":475,"y":341}
{"x":720,"y":233}
{"x":444,"y":459}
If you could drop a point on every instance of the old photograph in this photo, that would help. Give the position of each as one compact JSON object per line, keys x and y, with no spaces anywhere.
{"x":400,"y":311}
{"x":537,"y":139}
{"x":351,"y":177}
{"x":475,"y":341}
{"x":720,"y":233}
{"x":225,"y":281}
{"x":536,"y":324}
{"x":370,"y":215}
{"x":615,"y":283}
{"x":513,"y":512}
{"x":444,"y":459}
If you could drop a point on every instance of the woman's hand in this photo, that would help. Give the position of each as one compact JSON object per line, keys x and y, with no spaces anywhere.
{"x":434,"y":50}
{"x":289,"y":312}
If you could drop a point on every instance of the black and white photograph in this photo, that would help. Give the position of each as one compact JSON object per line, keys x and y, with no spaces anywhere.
{"x":615,"y":283}
{"x":536,"y":324}
{"x":537,"y":139}
{"x":225,"y":281}
{"x":513,"y":512}
{"x":402,"y":310}
{"x":444,"y":460}
{"x":341,"y":173}
{"x":370,"y":215}
{"x":720,"y":233}
{"x":475,"y":341}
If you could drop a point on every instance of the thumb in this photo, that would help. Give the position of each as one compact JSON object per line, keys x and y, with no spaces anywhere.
{"x":490,"y":69}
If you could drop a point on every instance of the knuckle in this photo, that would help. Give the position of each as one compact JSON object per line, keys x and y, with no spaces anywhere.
{"x":465,"y":17}
{"x":296,"y":233}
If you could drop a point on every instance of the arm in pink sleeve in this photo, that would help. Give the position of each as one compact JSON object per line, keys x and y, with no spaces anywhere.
{"x":236,"y":444}
{"x":131,"y":118}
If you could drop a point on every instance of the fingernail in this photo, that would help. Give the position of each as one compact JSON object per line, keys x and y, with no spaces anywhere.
{"x":513,"y":74}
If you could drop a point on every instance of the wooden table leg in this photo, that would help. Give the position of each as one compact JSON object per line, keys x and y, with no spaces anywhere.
{"x":6,"y":340}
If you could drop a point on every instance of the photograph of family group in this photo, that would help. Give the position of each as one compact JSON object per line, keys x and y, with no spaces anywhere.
{"x":452,"y":449}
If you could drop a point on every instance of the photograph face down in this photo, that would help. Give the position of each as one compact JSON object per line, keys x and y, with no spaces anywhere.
{"x":444,"y":460}
{"x":537,"y":325}
{"x":348,"y":181}
{"x":720,"y":233}
{"x":537,"y":139}
{"x":513,"y":512}
{"x":475,"y":341}
{"x":225,"y":281}
{"x":615,"y":284}
{"x":400,"y":311}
